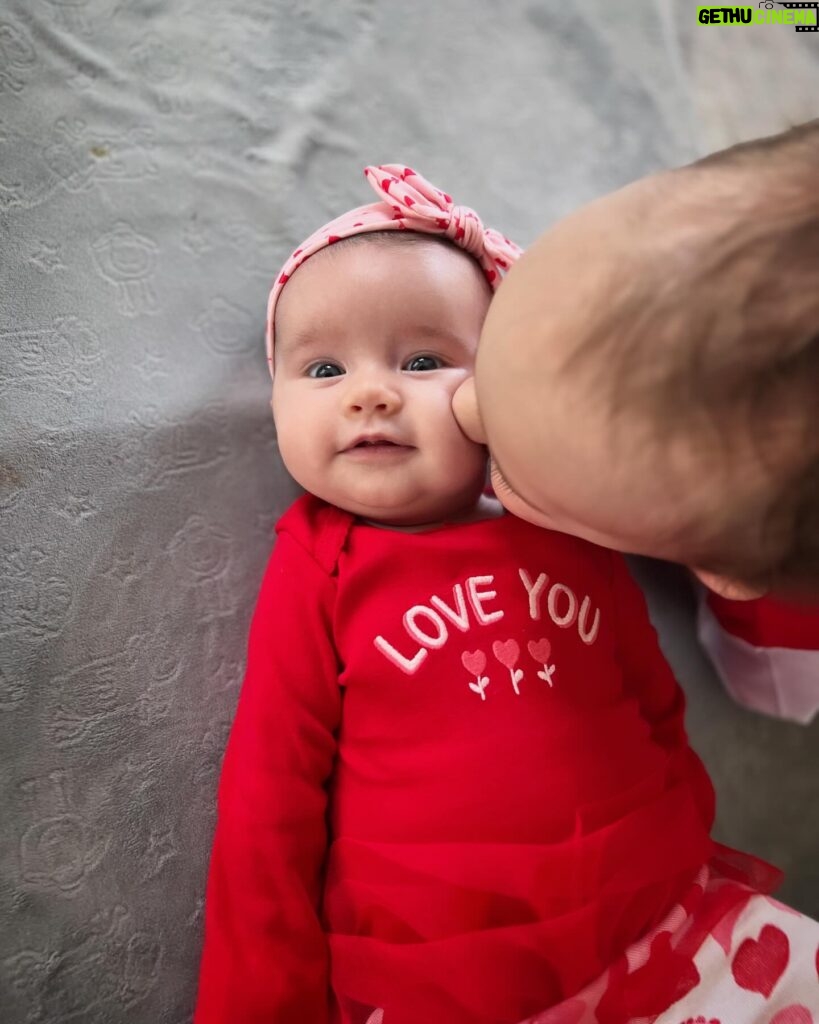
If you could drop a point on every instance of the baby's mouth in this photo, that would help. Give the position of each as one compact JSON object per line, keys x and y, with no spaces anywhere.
{"x":377,"y":445}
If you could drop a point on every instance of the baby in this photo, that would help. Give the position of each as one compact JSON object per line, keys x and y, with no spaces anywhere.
{"x":648,"y":379}
{"x":668,"y":335}
{"x":458,"y":788}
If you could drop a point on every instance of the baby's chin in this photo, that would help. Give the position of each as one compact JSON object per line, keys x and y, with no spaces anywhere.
{"x":403,"y":511}
{"x":404,"y":516}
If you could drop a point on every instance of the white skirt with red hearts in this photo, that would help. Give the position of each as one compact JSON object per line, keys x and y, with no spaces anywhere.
{"x":757,"y":964}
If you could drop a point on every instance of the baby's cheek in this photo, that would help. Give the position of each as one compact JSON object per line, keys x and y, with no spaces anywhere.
{"x":298,"y":447}
{"x":467,"y":458}
{"x":288,"y":456}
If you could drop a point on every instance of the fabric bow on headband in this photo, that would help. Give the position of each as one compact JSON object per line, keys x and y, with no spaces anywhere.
{"x":407,"y":202}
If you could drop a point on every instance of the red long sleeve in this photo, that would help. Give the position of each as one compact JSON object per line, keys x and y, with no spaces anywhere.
{"x":265,"y":958}
{"x":766,"y":652}
{"x":768,"y":621}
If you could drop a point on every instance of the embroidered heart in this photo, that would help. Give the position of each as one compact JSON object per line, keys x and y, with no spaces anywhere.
{"x":507,"y":652}
{"x":760,"y":963}
{"x":541,"y":650}
{"x":474,"y":662}
{"x":795,"y":1014}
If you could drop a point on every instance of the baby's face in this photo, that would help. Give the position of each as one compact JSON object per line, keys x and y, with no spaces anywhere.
{"x":372,"y":340}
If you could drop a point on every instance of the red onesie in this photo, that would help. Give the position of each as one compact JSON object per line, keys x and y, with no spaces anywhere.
{"x":458,"y":784}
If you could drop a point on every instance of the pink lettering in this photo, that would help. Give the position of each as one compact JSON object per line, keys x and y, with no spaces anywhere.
{"x":408,"y":665}
{"x":534,"y":591}
{"x":427,"y":625}
{"x":458,"y":616}
{"x":568,"y":618}
{"x":562,"y":606}
{"x":588,"y":636}
{"x":418,"y":611}
{"x":478,"y":597}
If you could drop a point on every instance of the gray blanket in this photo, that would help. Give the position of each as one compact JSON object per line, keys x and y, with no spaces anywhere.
{"x":157,"y":161}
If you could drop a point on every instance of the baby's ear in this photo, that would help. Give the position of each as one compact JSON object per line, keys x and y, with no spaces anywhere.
{"x":465,"y":408}
{"x":731,"y":590}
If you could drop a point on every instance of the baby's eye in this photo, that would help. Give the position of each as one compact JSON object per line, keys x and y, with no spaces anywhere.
{"x":420,"y":363}
{"x":320,"y":370}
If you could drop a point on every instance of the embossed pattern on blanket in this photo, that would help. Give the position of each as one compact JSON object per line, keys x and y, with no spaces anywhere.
{"x":157,"y":164}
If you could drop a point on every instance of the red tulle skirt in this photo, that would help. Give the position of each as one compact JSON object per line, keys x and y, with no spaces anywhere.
{"x":495,"y":933}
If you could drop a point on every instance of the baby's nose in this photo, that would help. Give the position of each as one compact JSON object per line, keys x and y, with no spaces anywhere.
{"x":374,"y":395}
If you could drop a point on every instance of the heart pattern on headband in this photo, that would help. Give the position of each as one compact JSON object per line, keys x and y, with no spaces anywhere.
{"x":406,"y":202}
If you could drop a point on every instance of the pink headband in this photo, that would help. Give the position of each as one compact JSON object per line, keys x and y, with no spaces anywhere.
{"x":407,"y":202}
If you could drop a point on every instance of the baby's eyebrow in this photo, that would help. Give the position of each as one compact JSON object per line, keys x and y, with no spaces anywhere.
{"x":291,"y":341}
{"x":302,"y":337}
{"x":434,"y":332}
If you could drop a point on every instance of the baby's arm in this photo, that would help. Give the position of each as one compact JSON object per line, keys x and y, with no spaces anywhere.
{"x":648,"y":677}
{"x":265,"y":957}
{"x":766,"y":652}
